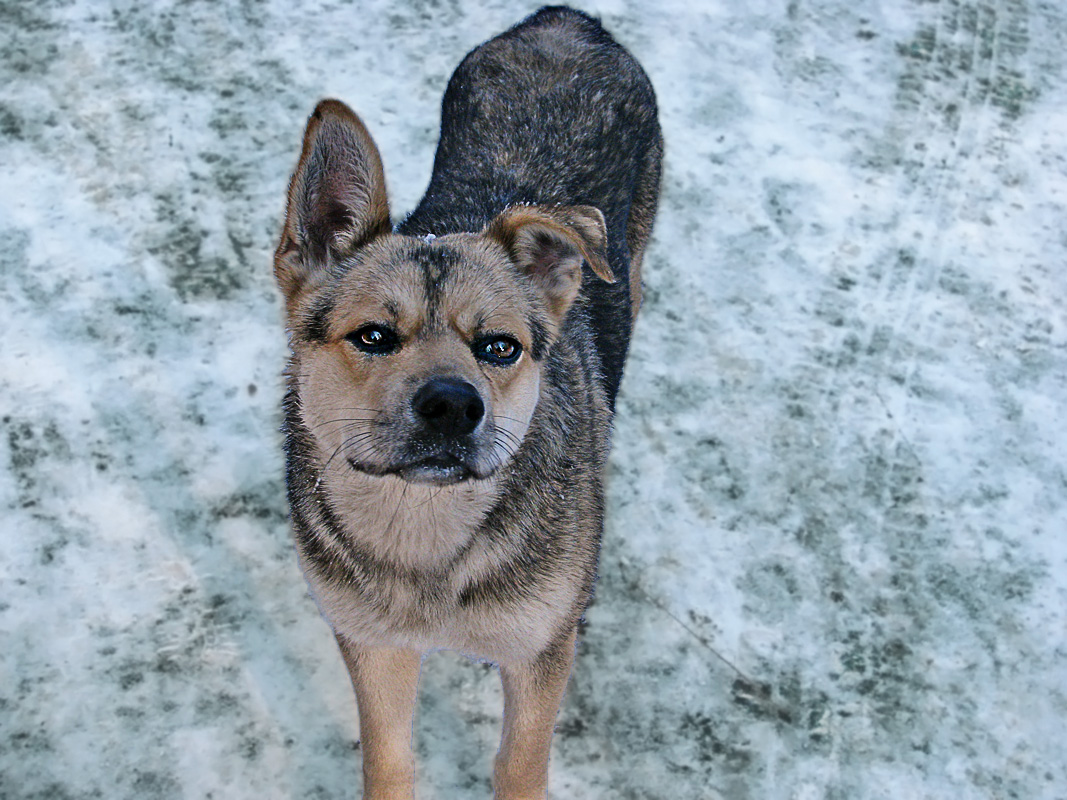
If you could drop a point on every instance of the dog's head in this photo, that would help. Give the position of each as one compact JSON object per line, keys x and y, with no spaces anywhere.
{"x":418,"y":357}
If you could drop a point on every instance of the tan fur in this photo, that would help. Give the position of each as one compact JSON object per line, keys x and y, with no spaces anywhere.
{"x":531,"y":701}
{"x":386,"y":681}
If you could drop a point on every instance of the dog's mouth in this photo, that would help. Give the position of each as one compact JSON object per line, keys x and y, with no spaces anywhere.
{"x":443,"y":469}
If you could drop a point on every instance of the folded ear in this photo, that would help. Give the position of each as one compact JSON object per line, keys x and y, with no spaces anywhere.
{"x":549,"y":245}
{"x":337,"y":199}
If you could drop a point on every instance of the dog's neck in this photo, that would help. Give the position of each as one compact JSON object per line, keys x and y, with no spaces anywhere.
{"x":421,"y":526}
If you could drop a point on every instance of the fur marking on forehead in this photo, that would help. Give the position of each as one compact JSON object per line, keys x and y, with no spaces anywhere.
{"x":436,"y":263}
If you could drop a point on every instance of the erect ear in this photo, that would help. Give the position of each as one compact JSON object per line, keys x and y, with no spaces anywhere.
{"x":337,"y":198}
{"x":549,"y":245}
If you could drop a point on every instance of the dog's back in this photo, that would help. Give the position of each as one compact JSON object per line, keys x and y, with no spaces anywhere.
{"x":554,"y":111}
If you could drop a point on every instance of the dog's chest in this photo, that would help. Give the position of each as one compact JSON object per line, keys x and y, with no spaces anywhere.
{"x":416,"y":573}
{"x":428,"y":611}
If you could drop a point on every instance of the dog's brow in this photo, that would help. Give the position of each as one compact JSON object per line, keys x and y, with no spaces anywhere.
{"x":317,"y":319}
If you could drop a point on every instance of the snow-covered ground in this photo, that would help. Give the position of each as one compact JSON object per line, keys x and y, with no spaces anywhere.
{"x":836,"y":556}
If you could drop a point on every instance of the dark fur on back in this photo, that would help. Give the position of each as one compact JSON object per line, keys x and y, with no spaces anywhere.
{"x":513,"y":131}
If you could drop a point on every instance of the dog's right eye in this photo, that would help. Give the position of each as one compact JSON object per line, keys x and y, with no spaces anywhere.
{"x":375,"y":339}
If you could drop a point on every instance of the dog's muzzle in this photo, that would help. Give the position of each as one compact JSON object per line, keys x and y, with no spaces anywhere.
{"x":448,"y":411}
{"x":441,"y":435}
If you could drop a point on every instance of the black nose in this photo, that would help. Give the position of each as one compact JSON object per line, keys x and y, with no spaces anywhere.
{"x":449,"y":406}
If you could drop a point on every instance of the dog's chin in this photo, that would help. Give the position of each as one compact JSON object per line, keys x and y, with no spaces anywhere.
{"x":440,"y":470}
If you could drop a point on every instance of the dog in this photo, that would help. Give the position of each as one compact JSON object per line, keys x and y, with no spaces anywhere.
{"x":452,"y":380}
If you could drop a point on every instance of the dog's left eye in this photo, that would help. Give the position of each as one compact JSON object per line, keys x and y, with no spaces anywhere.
{"x":375,"y":339}
{"x":497,"y":350}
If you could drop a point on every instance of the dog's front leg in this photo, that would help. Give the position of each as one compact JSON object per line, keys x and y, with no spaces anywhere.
{"x":532,"y":696}
{"x":386,"y":681}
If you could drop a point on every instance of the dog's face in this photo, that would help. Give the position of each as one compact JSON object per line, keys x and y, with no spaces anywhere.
{"x":428,"y":361}
{"x":419,"y":358}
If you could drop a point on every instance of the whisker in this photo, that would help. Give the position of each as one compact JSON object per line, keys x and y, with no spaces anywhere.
{"x":510,"y":419}
{"x":399,"y":505}
{"x":510,"y":434}
{"x":504,"y":438}
{"x":500,"y":458}
{"x":329,"y":461}
{"x":342,"y":419}
{"x":509,"y":437}
{"x":353,"y":408}
{"x":430,"y":497}
{"x":433,"y":516}
{"x":345,"y":444}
